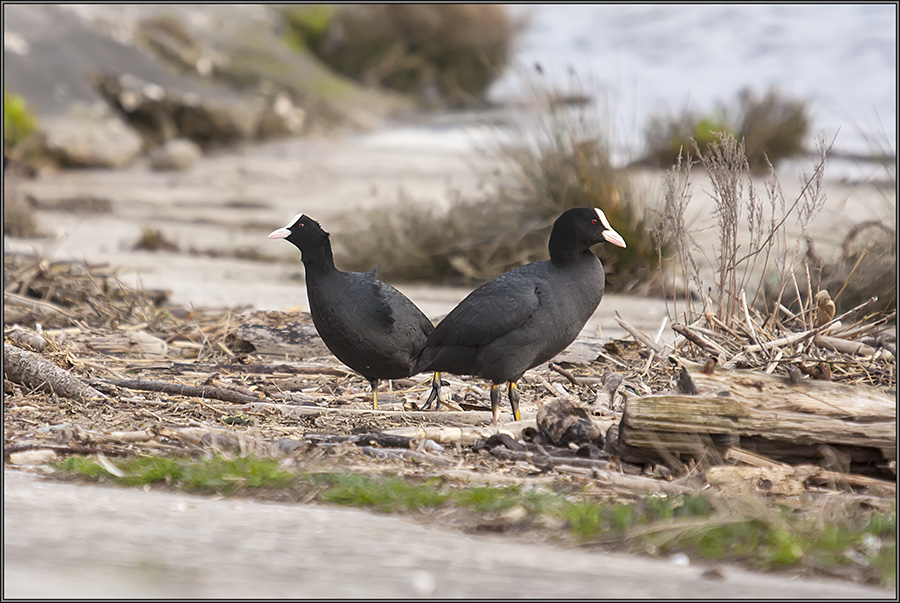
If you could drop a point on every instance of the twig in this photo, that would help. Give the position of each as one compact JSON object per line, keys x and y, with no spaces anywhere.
{"x":640,"y":337}
{"x":849,"y":276}
{"x":749,"y":320}
{"x":385,"y":440}
{"x":300,"y":369}
{"x":798,"y":337}
{"x":572,"y":378}
{"x":20,"y":300}
{"x":698,"y":339}
{"x":853,"y":332}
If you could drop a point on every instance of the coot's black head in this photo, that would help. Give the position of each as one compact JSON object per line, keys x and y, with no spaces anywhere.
{"x":578,"y":229}
{"x":303,"y":232}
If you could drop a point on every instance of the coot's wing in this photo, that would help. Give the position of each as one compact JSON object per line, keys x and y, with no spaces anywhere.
{"x":401,"y":308}
{"x":495,"y":308}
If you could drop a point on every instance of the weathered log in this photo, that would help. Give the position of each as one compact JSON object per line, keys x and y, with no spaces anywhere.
{"x":279,"y":334}
{"x":791,"y":422}
{"x":30,"y":370}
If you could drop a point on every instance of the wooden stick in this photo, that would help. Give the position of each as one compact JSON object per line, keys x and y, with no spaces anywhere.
{"x":299,"y":369}
{"x":844,"y":346}
{"x":854,"y":331}
{"x":572,"y":378}
{"x":178,"y":389}
{"x":35,"y":304}
{"x":698,"y":339}
{"x":747,"y":318}
{"x":640,"y":337}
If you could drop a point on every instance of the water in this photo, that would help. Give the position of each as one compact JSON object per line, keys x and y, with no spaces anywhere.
{"x":655,"y":59}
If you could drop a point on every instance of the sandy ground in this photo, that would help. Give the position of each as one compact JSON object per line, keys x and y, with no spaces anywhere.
{"x":72,"y":541}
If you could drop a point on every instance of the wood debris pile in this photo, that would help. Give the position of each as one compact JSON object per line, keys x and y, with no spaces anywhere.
{"x":91,"y":367}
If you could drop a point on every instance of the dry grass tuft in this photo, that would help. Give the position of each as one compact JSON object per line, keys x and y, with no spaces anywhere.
{"x":561,"y":159}
{"x":752,"y":239}
{"x":771,"y":127}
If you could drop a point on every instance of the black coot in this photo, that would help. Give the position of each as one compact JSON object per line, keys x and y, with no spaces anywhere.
{"x":369,"y":325}
{"x":525,"y":316}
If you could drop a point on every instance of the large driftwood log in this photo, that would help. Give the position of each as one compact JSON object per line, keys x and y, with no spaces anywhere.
{"x":32,"y":371}
{"x":846,"y":427}
{"x":279,"y":334}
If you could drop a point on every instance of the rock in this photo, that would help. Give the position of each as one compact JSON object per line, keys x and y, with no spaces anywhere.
{"x":32,"y":457}
{"x":163,"y":114}
{"x":217,"y":75}
{"x":563,"y":421}
{"x":91,"y":139}
{"x":178,"y":154}
{"x":280,"y":117}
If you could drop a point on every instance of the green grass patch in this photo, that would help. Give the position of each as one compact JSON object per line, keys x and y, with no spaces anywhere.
{"x":384,"y":494}
{"x":849,"y":537}
{"x":212,"y":475}
{"x":18,"y":120}
{"x":307,"y":24}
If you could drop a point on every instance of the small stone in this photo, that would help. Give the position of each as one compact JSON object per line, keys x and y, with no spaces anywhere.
{"x":178,"y":154}
{"x":32,"y":457}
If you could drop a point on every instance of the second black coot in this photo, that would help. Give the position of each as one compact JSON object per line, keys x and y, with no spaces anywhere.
{"x":369,"y":325}
{"x":525,"y":316}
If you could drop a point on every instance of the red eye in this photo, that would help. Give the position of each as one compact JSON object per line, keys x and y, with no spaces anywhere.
{"x":593,"y":220}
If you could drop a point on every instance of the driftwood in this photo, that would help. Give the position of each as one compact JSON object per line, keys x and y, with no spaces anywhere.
{"x":464,"y":436}
{"x":278,"y":334}
{"x":32,"y":371}
{"x":178,"y":389}
{"x":848,"y":428}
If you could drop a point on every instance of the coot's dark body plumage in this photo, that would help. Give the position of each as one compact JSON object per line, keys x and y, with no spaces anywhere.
{"x":369,"y":325}
{"x":528,"y":315}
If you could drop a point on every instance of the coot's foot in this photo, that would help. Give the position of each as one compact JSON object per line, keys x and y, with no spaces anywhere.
{"x":514,"y":400}
{"x":435,"y":394}
{"x":374,"y":384}
{"x":495,"y":403}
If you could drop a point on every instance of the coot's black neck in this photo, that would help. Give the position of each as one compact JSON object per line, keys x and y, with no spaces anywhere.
{"x":564,"y":249}
{"x":318,"y":259}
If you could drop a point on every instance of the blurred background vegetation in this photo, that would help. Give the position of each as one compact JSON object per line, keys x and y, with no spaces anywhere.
{"x":558,"y":154}
{"x":558,"y":157}
{"x":444,"y":54}
{"x":773,"y":127}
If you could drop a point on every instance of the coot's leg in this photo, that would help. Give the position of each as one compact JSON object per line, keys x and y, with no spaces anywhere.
{"x":435,"y":394}
{"x":374,"y":384}
{"x":495,"y":402}
{"x":514,"y":400}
